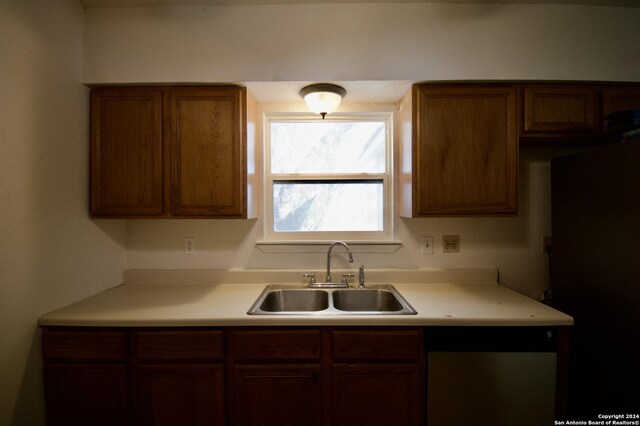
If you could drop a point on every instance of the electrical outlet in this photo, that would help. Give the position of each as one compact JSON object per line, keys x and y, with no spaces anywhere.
{"x":450,"y":243}
{"x":189,"y":245}
{"x":546,"y":243}
{"x":427,"y":245}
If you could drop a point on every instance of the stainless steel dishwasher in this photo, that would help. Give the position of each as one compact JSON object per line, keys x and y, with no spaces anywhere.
{"x":481,"y":376}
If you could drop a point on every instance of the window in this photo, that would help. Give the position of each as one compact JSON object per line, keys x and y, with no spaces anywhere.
{"x":328,"y":179}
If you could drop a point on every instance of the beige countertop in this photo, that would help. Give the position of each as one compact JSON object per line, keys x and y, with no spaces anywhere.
{"x":153,"y":298}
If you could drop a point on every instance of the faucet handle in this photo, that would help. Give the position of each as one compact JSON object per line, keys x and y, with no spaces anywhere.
{"x":361,"y":276}
{"x":312,"y":278}
{"x":345,"y":278}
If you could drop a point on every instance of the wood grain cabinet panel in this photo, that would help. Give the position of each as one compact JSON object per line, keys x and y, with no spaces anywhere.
{"x":376,"y":346}
{"x":278,"y":395}
{"x":87,"y":394}
{"x":278,"y":378}
{"x":79,"y":345}
{"x":192,"y":345}
{"x":377,"y":377}
{"x":126,"y":152}
{"x":377,"y":395}
{"x":620,"y":98}
{"x":464,"y":154}
{"x":179,"y":377}
{"x":86,"y":377}
{"x":172,"y":152}
{"x":208,"y":141}
{"x":174,"y":395}
{"x":276,"y":345}
{"x":238,"y":375}
{"x":559,"y":110}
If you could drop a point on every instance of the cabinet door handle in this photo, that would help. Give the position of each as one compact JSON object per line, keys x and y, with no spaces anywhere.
{"x":314,"y":377}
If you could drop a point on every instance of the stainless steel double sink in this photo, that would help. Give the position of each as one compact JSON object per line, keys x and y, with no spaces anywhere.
{"x":381,"y":299}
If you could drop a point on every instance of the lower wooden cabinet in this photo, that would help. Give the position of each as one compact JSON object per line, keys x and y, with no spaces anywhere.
{"x":330,"y":376}
{"x":377,"y":377}
{"x":178,"y":377}
{"x":286,"y":395}
{"x":171,"y":395}
{"x":277,"y":376}
{"x":377,"y":394}
{"x":234,"y":376}
{"x":86,"y":376}
{"x":87,"y":394}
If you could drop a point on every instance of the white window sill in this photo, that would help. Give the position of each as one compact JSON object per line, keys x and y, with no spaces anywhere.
{"x":321,"y":246}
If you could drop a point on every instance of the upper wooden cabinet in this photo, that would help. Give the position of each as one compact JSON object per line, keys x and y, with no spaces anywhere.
{"x":573,"y":113}
{"x":460,"y":157}
{"x":126,"y":152}
{"x":559,"y":110}
{"x":171,"y":152}
{"x":619,"y":98}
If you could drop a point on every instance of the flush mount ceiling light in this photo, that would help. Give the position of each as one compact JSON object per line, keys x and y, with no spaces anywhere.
{"x":323,"y":98}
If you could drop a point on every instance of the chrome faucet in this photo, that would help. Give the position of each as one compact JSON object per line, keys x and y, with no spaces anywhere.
{"x":328,"y":280}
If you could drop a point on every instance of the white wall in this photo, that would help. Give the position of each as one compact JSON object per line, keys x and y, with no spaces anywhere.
{"x":511,"y":244}
{"x":353,"y":42}
{"x":51,"y":253}
{"x":375,"y":41}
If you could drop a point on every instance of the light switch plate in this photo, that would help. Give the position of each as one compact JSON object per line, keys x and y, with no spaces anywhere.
{"x":427,"y":245}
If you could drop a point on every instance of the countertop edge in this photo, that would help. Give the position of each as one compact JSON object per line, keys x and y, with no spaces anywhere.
{"x":222,"y":305}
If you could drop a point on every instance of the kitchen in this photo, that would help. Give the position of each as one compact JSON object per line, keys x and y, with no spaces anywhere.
{"x":54,"y":255}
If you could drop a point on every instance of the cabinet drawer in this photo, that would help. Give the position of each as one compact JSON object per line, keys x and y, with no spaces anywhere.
{"x":205,"y":345}
{"x":620,"y":98}
{"x":559,"y":110}
{"x":277,"y":345}
{"x":363,"y":346}
{"x":84,"y":345}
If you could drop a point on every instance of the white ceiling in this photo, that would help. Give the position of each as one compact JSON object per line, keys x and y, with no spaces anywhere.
{"x":112,"y":3}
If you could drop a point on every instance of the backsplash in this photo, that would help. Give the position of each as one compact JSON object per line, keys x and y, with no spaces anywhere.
{"x":511,"y":244}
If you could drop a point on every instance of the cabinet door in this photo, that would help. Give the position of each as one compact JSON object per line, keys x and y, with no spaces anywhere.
{"x":559,"y":110}
{"x":175,"y":395}
{"x":620,"y":98}
{"x":126,"y":152}
{"x":208,"y":140}
{"x":278,"y":395}
{"x":377,"y":395}
{"x":464,"y":150}
{"x":84,"y":394}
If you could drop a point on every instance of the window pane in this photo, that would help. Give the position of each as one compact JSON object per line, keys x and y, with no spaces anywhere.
{"x":327,"y":206}
{"x":328,"y":147}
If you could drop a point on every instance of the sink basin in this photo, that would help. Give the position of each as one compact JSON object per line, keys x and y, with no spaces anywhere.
{"x":381,"y":299}
{"x":295,"y":301}
{"x":366,"y":300}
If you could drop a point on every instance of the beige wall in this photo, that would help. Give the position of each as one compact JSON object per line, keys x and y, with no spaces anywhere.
{"x":375,"y":41}
{"x":51,"y":253}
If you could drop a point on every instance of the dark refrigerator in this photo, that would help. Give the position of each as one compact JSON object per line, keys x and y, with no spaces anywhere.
{"x":595,"y":275}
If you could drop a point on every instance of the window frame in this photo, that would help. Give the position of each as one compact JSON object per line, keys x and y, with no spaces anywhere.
{"x":386,"y":235}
